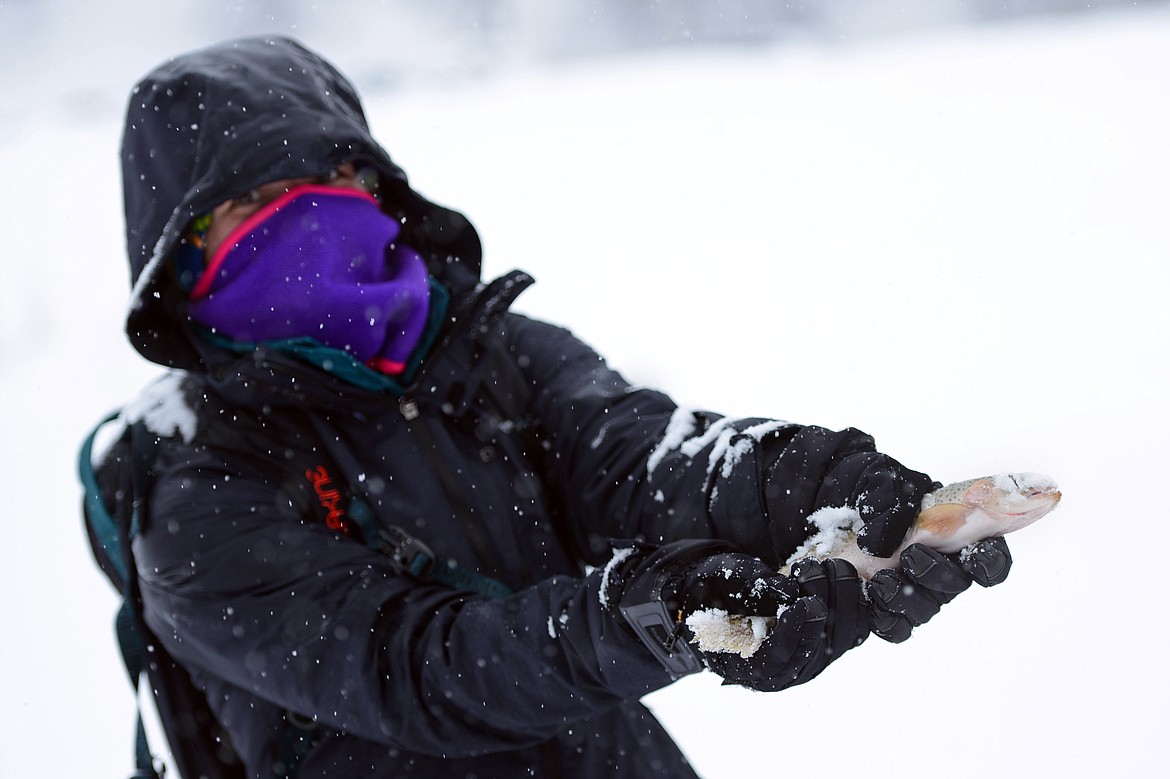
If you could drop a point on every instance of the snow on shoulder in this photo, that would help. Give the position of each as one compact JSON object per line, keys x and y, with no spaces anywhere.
{"x":161,"y":406}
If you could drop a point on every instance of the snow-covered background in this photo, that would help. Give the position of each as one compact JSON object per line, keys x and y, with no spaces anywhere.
{"x":955,"y":237}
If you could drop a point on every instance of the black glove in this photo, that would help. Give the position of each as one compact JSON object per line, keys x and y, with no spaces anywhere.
{"x":823,"y":611}
{"x":826,"y":618}
{"x":901,"y":600}
{"x":886,"y":494}
{"x":820,"y":468}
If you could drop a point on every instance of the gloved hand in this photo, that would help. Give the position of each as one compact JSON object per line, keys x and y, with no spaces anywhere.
{"x":819,"y":468}
{"x":886,"y":494}
{"x":825,"y":617}
{"x":901,"y":600}
{"x":821,"y":611}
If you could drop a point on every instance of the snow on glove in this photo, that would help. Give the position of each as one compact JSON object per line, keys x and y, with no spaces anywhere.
{"x":901,"y":600}
{"x":886,"y":494}
{"x":641,"y":584}
{"x":826,"y":618}
{"x":732,"y":582}
{"x":806,"y":620}
{"x":657,"y":589}
{"x":823,"y":469}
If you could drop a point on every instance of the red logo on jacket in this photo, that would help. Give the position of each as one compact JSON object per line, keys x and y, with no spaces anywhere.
{"x":329,"y":497}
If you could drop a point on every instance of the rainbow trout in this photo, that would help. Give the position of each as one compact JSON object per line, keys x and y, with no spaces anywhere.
{"x":951,"y":519}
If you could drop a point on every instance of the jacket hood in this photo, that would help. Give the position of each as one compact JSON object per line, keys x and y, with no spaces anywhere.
{"x":208,"y":126}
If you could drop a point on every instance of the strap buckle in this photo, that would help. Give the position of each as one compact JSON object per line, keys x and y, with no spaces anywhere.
{"x":406,"y":553}
{"x":653,"y":625}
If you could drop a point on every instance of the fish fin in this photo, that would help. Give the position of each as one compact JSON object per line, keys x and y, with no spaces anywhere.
{"x":942,"y":521}
{"x":978,"y":492}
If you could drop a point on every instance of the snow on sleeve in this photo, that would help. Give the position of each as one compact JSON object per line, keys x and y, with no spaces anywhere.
{"x":599,"y":439}
{"x":744,"y":443}
{"x":681,"y":435}
{"x":681,"y":425}
{"x":619,"y":556}
{"x":717,"y":432}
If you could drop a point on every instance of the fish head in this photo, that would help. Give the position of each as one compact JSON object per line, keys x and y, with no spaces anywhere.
{"x":1013,"y":500}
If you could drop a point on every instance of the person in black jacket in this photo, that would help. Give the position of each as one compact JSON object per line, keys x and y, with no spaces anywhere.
{"x":438,"y":537}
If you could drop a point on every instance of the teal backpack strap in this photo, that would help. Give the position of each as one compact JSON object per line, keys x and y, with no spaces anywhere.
{"x":134,"y":657}
{"x":414,"y":558}
{"x":102,"y":525}
{"x":407,"y":553}
{"x":114,"y":542}
{"x":110,"y":538}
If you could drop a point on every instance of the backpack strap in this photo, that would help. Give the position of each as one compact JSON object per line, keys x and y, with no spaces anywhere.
{"x":415,"y":559}
{"x":114,"y":541}
{"x":409,"y":555}
{"x":100,"y":524}
{"x":196,"y":752}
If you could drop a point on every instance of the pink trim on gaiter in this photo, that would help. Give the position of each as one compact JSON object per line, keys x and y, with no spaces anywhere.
{"x":390,"y":367}
{"x":203,"y":286}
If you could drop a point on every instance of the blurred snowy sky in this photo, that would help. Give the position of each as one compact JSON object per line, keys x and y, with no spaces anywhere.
{"x":68,"y":61}
{"x":944,"y":223}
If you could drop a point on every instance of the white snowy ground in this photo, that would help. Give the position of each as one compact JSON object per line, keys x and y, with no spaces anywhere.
{"x":958,"y":243}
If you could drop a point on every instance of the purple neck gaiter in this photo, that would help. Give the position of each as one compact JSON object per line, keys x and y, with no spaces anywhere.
{"x":319,"y":262}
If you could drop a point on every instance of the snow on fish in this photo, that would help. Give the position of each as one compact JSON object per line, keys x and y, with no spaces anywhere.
{"x":951,"y":519}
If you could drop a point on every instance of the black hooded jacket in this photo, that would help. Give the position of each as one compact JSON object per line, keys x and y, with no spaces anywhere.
{"x":515,"y":452}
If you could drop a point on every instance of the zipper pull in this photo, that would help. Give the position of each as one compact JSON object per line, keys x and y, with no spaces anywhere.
{"x":408,"y":407}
